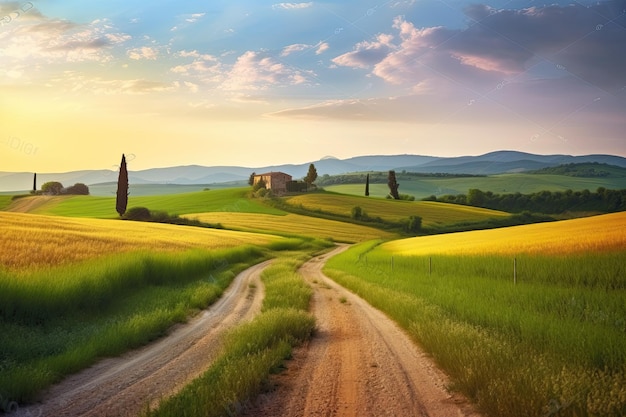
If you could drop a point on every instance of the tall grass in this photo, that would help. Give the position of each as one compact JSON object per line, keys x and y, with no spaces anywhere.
{"x":251,"y":351}
{"x":63,"y":319}
{"x":552,"y":344}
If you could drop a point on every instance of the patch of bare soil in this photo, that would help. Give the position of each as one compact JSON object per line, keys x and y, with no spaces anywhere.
{"x":125,"y":386}
{"x":28,"y":204}
{"x":360,"y":363}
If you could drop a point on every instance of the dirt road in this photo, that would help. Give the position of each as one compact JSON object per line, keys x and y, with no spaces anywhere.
{"x":359,"y":364}
{"x":125,"y":386}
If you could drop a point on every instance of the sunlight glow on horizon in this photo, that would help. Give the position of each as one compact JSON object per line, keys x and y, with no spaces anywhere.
{"x":214,"y":85}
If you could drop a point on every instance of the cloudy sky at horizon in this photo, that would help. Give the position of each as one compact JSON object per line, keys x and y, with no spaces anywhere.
{"x":256,"y":83}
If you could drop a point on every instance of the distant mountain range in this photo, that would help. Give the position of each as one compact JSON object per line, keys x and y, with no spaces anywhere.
{"x":488,"y":164}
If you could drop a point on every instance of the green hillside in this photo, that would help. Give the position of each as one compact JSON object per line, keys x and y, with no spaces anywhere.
{"x":506,"y":183}
{"x":225,"y":200}
{"x":432,"y":213}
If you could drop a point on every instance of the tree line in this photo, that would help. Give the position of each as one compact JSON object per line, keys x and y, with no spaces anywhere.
{"x":547,"y":202}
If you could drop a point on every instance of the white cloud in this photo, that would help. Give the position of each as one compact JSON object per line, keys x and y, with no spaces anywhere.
{"x":48,"y":41}
{"x":321,"y":48}
{"x":145,"y":52}
{"x":288,"y":50}
{"x":366,"y":53}
{"x":191,"y":86}
{"x":505,"y":44}
{"x":193,"y":18}
{"x":258,"y":71}
{"x":292,"y":6}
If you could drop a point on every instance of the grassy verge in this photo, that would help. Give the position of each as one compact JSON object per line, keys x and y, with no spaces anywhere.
{"x":252,"y":351}
{"x":63,"y":319}
{"x":552,"y":344}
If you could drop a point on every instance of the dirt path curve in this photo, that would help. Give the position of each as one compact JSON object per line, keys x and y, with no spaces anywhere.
{"x":359,"y":363}
{"x":124,"y":386}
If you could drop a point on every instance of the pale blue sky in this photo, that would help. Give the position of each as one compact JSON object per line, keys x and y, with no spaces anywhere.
{"x":264,"y":82}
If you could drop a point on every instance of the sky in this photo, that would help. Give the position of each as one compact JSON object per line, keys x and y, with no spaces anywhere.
{"x":255,"y":83}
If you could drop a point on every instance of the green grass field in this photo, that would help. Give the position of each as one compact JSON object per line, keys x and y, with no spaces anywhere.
{"x":224,"y":200}
{"x":504,"y":183}
{"x":5,"y":201}
{"x":432,"y":213}
{"x":542,"y":335}
{"x":63,"y":319}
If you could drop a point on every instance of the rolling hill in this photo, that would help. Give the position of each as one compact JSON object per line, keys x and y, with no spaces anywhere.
{"x":491,"y":163}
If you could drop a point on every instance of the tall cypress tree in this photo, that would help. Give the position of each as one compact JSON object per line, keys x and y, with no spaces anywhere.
{"x":393,"y":185}
{"x":35,"y":183}
{"x":367,"y":185}
{"x":122,"y":188}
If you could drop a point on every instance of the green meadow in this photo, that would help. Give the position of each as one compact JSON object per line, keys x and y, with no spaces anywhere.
{"x":221,"y":200}
{"x":503,"y":183}
{"x":552,"y":342}
{"x":63,"y":319}
{"x":544,"y":336}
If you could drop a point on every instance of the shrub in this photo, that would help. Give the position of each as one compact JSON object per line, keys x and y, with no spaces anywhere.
{"x":52,"y":188}
{"x":138,"y":213}
{"x":357,"y":212}
{"x":414,"y":224}
{"x":77,"y":189}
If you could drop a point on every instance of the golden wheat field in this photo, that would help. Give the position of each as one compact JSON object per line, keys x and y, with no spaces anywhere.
{"x":32,"y":241}
{"x":294,"y":224}
{"x":604,"y":233}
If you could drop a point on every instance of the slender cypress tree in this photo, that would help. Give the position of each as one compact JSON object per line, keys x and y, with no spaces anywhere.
{"x":122,"y":188}
{"x":393,"y":185}
{"x":367,"y":185}
{"x":35,"y":183}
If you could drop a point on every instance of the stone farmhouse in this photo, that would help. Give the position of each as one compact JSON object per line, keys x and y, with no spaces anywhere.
{"x":275,"y":181}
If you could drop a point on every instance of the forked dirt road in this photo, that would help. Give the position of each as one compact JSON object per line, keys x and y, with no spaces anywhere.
{"x":359,"y":364}
{"x":124,"y":386}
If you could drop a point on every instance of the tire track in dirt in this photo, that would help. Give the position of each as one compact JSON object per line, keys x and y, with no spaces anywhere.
{"x":359,"y":363}
{"x":125,"y":386}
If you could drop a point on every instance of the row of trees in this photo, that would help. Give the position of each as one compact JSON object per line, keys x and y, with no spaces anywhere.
{"x":56,"y":188}
{"x":548,"y":202}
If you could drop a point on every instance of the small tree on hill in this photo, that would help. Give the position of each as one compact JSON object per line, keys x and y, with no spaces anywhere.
{"x":311,"y":176}
{"x":122,"y":188}
{"x":77,"y":189}
{"x":52,"y":188}
{"x":393,"y":185}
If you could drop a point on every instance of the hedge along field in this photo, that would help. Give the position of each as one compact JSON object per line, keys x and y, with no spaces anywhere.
{"x":551,"y":343}
{"x":432,"y":213}
{"x":129,"y":283}
{"x":31,"y":241}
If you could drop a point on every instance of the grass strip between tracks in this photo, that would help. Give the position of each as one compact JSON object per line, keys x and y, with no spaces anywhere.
{"x":253,"y":350}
